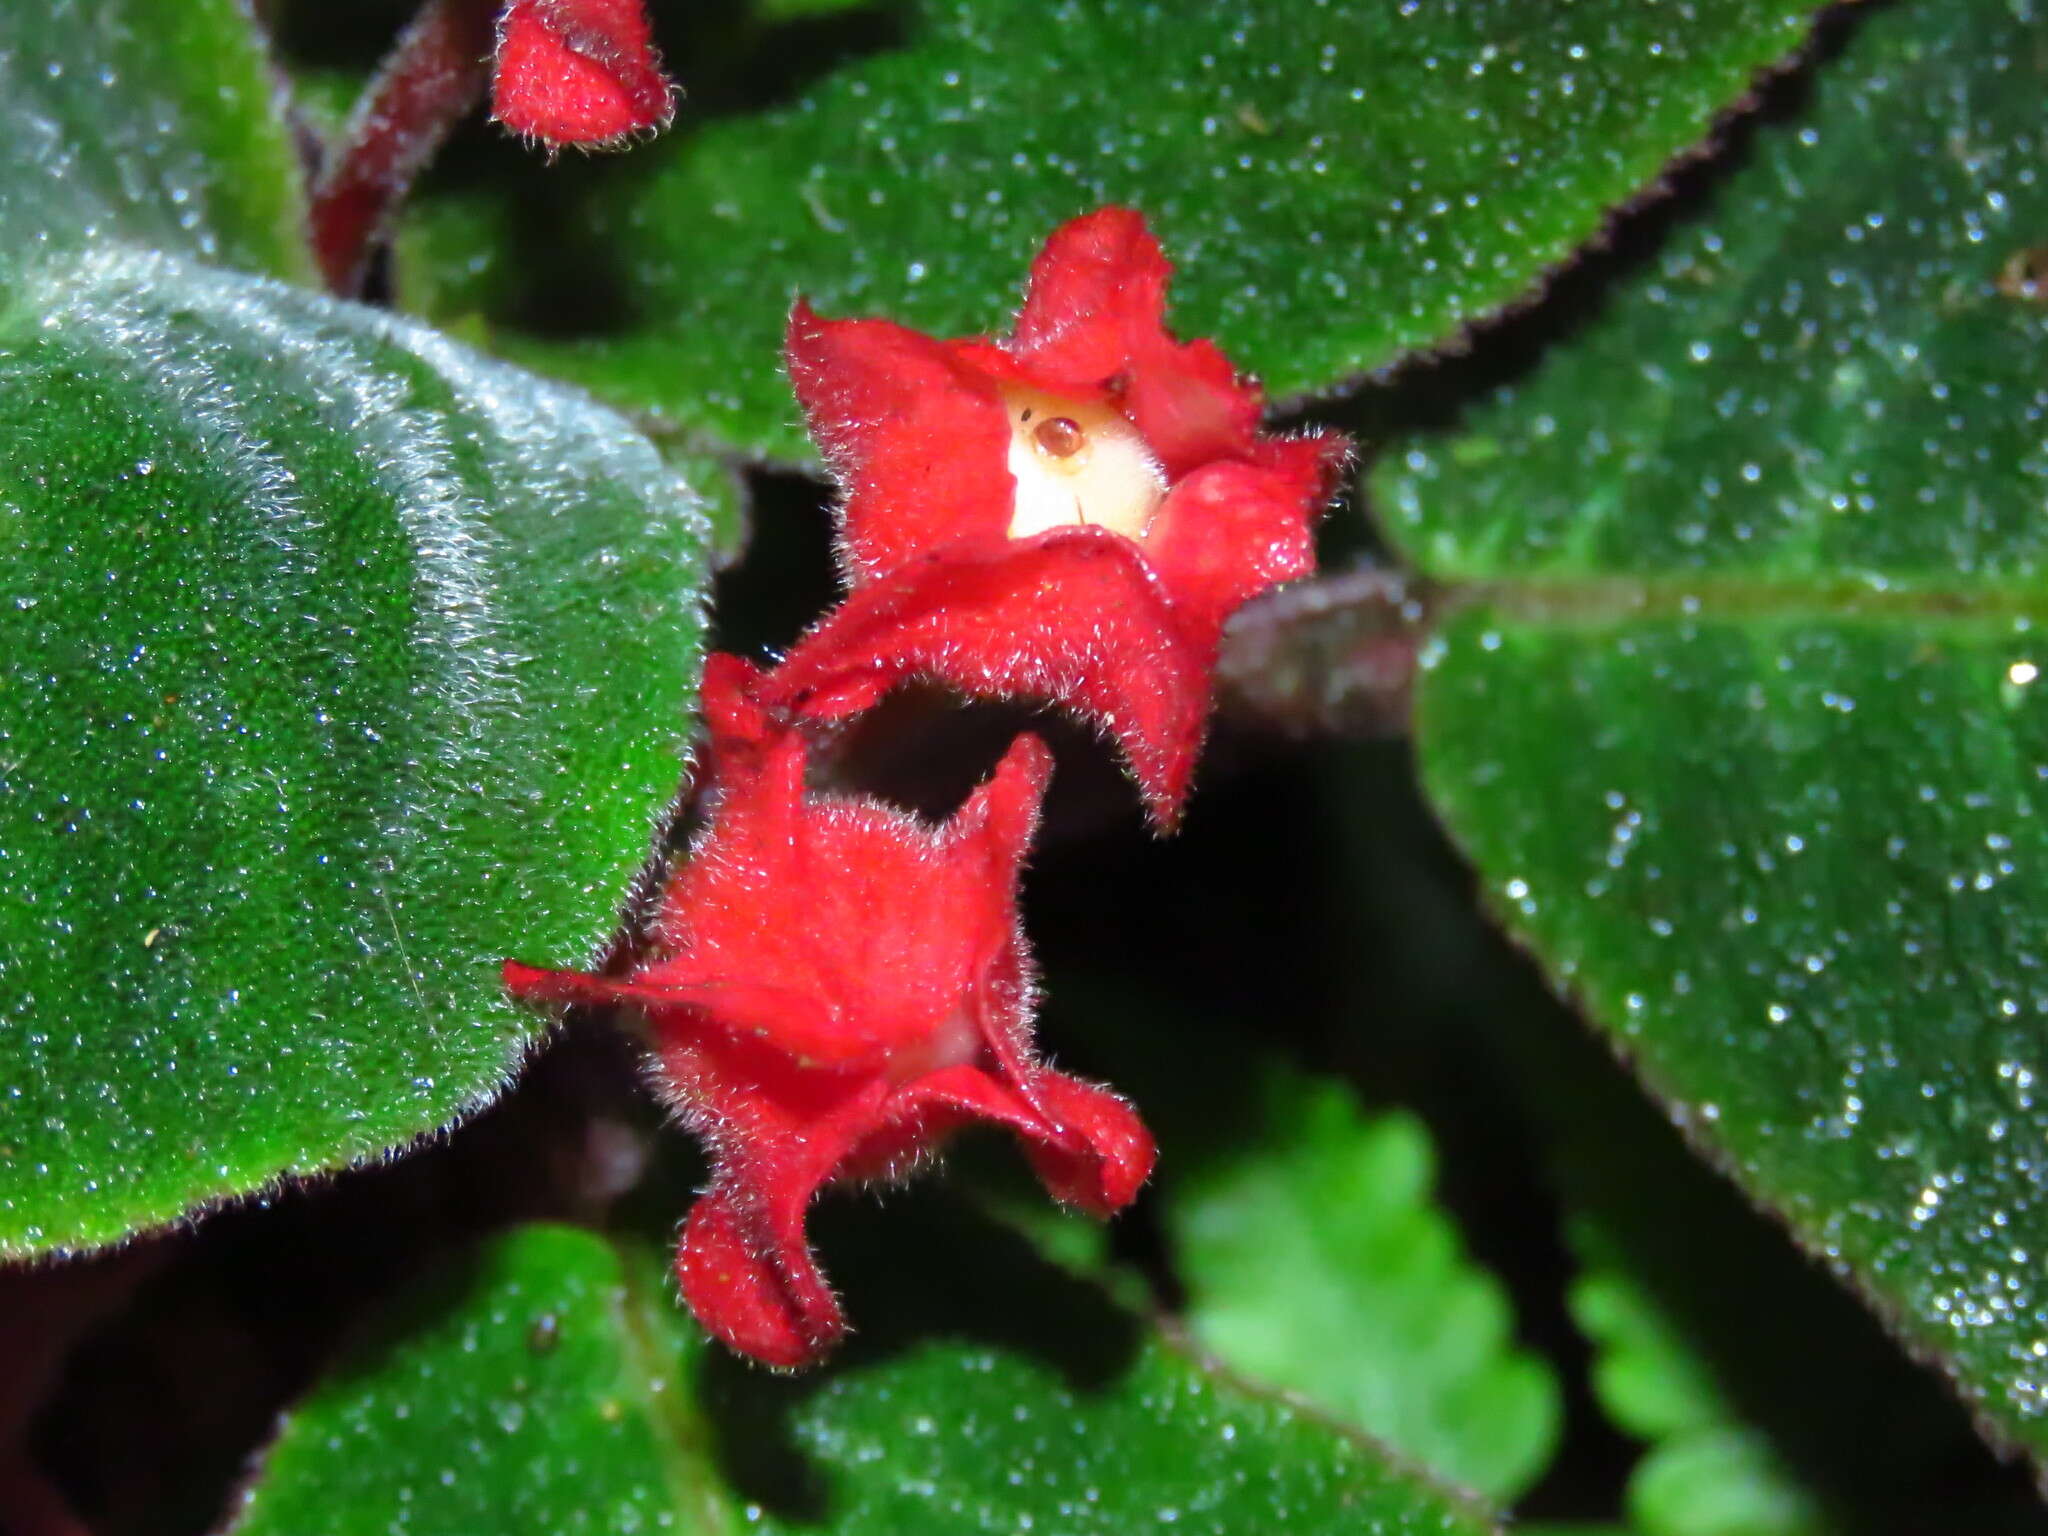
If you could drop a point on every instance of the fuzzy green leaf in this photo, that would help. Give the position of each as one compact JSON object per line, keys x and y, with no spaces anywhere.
{"x":1742,"y":720}
{"x":551,"y":1385}
{"x":153,"y":122}
{"x":1339,"y":183}
{"x":337,"y":661}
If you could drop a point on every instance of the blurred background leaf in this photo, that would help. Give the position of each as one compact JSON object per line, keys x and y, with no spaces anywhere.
{"x":1707,"y":1474}
{"x":1316,"y":1261}
{"x":1303,"y":1242}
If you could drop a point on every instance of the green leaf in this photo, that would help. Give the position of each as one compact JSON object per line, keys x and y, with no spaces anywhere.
{"x":1309,"y":1250}
{"x":1706,"y":1326}
{"x":1740,"y":719}
{"x":1646,"y":1372}
{"x":153,"y":120}
{"x":338,"y":662}
{"x":722,"y":490}
{"x":787,"y":10}
{"x":1719,"y":1482}
{"x":1338,"y":184}
{"x":1708,"y":1473}
{"x":551,"y":1385}
{"x":514,"y":1392}
{"x":1316,"y":1261}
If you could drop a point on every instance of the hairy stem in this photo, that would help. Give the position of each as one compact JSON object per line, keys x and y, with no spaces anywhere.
{"x":434,"y":75}
{"x":1330,"y":657}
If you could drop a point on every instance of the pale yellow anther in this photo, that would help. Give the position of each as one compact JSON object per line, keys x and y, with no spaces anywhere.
{"x":1078,"y":463}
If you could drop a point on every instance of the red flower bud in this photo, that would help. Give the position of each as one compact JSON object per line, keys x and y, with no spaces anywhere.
{"x":836,"y":986}
{"x":1069,"y":513}
{"x":578,"y":72}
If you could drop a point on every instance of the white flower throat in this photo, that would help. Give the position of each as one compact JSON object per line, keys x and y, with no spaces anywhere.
{"x":1078,"y":463}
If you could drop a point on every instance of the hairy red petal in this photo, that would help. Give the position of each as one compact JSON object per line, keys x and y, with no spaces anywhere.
{"x":725,"y":696}
{"x":685,"y":1001}
{"x":917,"y":431}
{"x":1094,"y":320}
{"x":916,"y":438}
{"x":777,"y":1135}
{"x":1088,"y":1146}
{"x":856,"y":913}
{"x":840,"y":932}
{"x":748,"y":1294}
{"x":578,"y":71}
{"x":531,"y":984}
{"x":746,"y":1268}
{"x":1074,"y":617}
{"x":925,"y":1111}
{"x":994,"y":827}
{"x":1189,"y":405}
{"x":1232,"y":529}
{"x":1102,"y":1155}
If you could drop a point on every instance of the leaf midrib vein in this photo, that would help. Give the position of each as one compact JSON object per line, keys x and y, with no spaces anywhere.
{"x":1599,"y":600}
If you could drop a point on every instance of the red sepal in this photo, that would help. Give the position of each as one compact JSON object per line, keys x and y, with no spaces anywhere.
{"x":578,"y":72}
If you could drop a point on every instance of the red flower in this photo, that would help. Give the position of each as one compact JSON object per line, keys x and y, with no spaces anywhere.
{"x":578,"y":72}
{"x":1070,"y":513}
{"x":840,"y":986}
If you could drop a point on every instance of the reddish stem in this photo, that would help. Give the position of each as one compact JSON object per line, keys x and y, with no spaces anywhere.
{"x":433,"y":77}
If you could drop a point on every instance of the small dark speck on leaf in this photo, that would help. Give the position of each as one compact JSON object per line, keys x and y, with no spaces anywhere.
{"x":2025,"y":275}
{"x":545,"y":1334}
